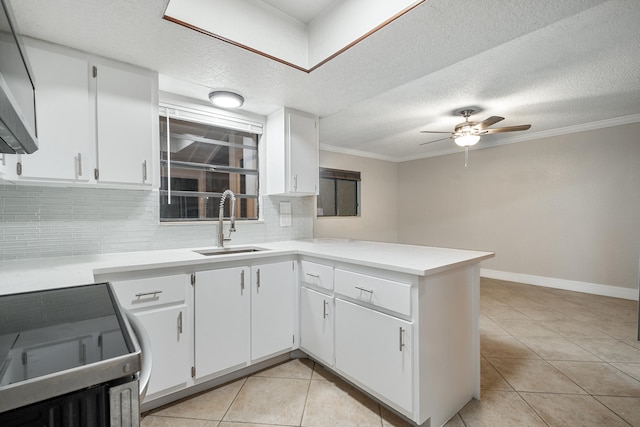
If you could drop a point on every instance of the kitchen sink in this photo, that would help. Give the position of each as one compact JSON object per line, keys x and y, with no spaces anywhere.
{"x":229,"y":251}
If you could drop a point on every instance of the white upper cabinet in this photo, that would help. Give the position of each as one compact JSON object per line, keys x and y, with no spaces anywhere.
{"x":66,"y":150}
{"x":126,"y":120}
{"x":97,"y":121}
{"x":292,"y":153}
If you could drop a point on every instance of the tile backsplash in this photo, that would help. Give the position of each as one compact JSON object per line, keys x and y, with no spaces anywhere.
{"x":38,"y":222}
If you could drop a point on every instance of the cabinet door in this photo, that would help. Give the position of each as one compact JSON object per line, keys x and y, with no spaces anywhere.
{"x":221,"y":320}
{"x":316,"y":325}
{"x":66,"y":145}
{"x":167,"y":328}
{"x":272,"y":309}
{"x":303,"y":153}
{"x":374,"y":349}
{"x":125,"y":120}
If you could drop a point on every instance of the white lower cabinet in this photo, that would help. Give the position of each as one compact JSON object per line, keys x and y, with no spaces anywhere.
{"x":222,"y":312}
{"x":316,"y":325}
{"x":375,"y":350}
{"x":273,"y":309}
{"x":160,"y":303}
{"x":166,"y":328}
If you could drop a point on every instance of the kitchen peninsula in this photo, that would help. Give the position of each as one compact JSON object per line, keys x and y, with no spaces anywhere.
{"x":398,"y":321}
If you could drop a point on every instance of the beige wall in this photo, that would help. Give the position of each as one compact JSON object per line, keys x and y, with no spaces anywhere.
{"x":565,"y":207}
{"x":378,"y":200}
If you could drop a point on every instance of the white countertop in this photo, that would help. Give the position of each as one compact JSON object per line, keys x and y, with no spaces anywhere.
{"x":32,"y":274}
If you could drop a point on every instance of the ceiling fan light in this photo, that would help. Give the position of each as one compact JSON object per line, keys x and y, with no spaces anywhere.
{"x":467,"y":140}
{"x":226,"y":99}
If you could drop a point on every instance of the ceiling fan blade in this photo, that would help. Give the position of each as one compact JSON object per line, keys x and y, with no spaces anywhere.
{"x":437,"y":140}
{"x":506,"y":129}
{"x":432,"y":131}
{"x":488,"y":122}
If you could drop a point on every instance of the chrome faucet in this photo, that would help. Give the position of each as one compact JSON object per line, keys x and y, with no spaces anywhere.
{"x":232,"y":226}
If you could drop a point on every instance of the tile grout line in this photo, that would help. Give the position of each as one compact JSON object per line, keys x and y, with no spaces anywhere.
{"x":306,"y":398}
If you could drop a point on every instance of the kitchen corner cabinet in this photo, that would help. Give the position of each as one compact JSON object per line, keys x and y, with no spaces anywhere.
{"x":273,"y":309}
{"x":292,"y":152}
{"x":160,"y":303}
{"x":222,"y":312}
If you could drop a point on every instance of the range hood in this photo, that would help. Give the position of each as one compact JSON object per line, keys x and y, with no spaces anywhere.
{"x":17,"y":90}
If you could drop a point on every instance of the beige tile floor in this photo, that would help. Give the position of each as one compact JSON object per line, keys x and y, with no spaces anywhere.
{"x":549,"y":357}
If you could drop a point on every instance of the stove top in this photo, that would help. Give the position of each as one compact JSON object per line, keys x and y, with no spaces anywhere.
{"x":62,"y":340}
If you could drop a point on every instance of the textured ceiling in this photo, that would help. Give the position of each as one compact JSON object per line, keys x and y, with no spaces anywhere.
{"x":560,"y":66}
{"x":302,"y":10}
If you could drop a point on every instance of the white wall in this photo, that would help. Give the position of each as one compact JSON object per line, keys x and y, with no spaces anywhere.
{"x":379,"y":201}
{"x":566,"y":207}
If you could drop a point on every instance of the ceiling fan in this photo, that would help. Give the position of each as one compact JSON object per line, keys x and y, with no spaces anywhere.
{"x":468,"y":133}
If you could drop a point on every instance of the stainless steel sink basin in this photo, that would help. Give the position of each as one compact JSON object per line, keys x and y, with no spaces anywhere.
{"x":229,"y":251}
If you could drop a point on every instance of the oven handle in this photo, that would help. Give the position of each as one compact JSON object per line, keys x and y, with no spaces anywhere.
{"x":145,"y":347}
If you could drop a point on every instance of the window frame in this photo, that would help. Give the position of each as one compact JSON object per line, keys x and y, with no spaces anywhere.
{"x":337,"y":175}
{"x":170,"y":111}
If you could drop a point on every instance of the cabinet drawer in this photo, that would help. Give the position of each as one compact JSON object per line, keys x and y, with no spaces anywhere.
{"x":316,"y":274}
{"x":389,"y":294}
{"x":143,"y":293}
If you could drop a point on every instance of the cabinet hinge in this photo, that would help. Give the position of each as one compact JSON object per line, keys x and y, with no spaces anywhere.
{"x":96,"y":174}
{"x":193,"y":372}
{"x":19,"y":168}
{"x":94,"y":71}
{"x":193,"y":278}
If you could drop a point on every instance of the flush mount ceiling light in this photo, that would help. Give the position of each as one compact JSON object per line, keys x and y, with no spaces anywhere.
{"x":226,"y":99}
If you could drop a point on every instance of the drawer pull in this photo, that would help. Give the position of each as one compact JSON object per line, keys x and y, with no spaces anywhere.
{"x":365,"y":290}
{"x":145,"y":294}
{"x":180,"y":323}
{"x":324,"y":309}
{"x":242,"y":282}
{"x":258,"y":281}
{"x":401,"y":345}
{"x":315,"y":276}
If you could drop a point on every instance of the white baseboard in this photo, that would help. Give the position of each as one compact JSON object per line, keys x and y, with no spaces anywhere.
{"x":569,"y":285}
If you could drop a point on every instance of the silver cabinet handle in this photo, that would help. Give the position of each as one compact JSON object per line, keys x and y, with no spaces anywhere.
{"x":144,"y":294}
{"x":79,"y":164}
{"x":180,"y":323}
{"x":324,"y":309}
{"x":315,"y":276}
{"x":258,"y":281}
{"x":242,"y":282}
{"x":365,"y":290}
{"x":295,"y":183}
{"x":144,"y":171}
{"x":401,"y":344}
